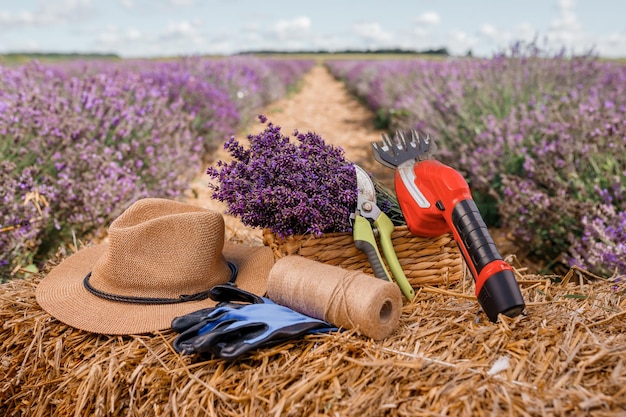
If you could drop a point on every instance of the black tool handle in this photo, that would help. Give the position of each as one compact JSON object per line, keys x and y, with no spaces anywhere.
{"x":497,"y":289}
{"x":474,"y":235}
{"x":500,"y":294}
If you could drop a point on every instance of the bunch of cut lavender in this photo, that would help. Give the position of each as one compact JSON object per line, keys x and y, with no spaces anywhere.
{"x":289,"y":188}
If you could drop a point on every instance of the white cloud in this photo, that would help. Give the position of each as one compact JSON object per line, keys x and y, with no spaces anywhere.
{"x":489,"y":31}
{"x":23,"y":45}
{"x":294,"y":28}
{"x":67,"y":11}
{"x":114,"y":38}
{"x":159,"y":5}
{"x":428,"y":18}
{"x":251,"y":36}
{"x":459,"y":42}
{"x":374,"y":33}
{"x":133,"y":34}
{"x":111,"y":36}
{"x":330,"y":42}
{"x":204,"y":26}
{"x":525,"y":32}
{"x":48,"y":13}
{"x":617,"y":40}
{"x":612,"y":45}
{"x":22,"y":19}
{"x":420,"y":32}
{"x":177,"y":38}
{"x":182,"y":2}
{"x":493,"y":39}
{"x":459,"y":36}
{"x":179,"y":29}
{"x":565,"y":29}
{"x":566,"y":4}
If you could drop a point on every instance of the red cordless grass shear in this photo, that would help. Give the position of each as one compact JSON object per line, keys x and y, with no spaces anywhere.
{"x":435,"y":199}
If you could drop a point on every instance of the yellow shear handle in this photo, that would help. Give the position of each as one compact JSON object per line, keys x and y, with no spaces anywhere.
{"x":385,"y":226}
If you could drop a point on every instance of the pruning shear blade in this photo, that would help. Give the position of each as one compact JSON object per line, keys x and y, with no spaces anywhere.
{"x":364,"y":237}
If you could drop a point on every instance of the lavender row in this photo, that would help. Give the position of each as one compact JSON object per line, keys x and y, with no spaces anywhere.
{"x":541,"y":138}
{"x":80,"y":142}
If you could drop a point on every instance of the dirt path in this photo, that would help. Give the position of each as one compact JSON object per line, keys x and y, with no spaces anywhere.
{"x":324,"y":106}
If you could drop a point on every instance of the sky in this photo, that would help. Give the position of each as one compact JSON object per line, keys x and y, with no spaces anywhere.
{"x":153,"y":28}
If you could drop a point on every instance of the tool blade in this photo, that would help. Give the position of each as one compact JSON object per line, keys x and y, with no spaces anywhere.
{"x":365,"y":185}
{"x":403,"y":147}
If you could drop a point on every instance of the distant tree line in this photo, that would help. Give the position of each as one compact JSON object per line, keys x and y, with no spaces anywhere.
{"x":54,"y":56}
{"x":395,"y":51}
{"x":60,"y":55}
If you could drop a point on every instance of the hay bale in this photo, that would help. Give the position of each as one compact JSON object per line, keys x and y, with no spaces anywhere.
{"x":566,"y":357}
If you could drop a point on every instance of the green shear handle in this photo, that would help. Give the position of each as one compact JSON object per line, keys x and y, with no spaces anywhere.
{"x":385,"y":226}
{"x":365,"y":241}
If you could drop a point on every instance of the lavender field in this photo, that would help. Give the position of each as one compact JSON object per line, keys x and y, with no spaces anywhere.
{"x":79,"y":142}
{"x":540,"y":136}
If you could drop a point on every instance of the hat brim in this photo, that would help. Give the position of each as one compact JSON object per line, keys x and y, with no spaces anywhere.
{"x":63,"y":295}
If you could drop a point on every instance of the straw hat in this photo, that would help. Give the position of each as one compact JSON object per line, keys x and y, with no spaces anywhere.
{"x":161,"y":259}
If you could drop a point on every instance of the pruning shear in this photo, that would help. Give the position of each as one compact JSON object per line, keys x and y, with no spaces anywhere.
{"x":364,"y":234}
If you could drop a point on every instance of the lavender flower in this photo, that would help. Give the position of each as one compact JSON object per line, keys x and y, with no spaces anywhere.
{"x":602,"y":247}
{"x":90,"y":138}
{"x":289,"y":188}
{"x":538,"y":135}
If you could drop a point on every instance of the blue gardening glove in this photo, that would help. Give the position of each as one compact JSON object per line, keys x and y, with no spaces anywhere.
{"x":226,"y":295}
{"x":231,"y":329}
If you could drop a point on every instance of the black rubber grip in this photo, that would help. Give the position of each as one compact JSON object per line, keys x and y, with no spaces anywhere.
{"x":372,"y":256}
{"x":501,"y":295}
{"x":474,"y":234}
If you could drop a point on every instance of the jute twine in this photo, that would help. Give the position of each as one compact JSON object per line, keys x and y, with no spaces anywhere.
{"x":346,"y":299}
{"x":425,"y":261}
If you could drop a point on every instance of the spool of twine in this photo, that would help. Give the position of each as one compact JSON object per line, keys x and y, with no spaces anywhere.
{"x":346,"y":299}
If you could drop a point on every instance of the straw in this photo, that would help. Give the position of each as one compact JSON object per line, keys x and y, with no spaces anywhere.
{"x":567,"y":356}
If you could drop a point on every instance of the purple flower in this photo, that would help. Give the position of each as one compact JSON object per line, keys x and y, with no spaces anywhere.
{"x":290,"y":188}
{"x":538,"y":135}
{"x":89,"y":138}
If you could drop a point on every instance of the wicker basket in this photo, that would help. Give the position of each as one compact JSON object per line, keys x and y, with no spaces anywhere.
{"x":431,"y":261}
